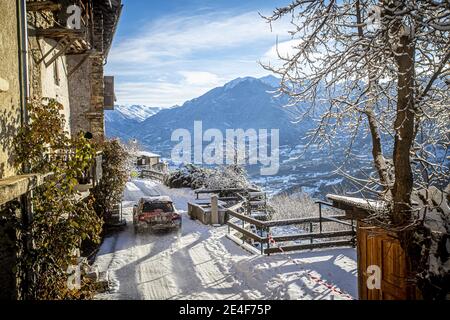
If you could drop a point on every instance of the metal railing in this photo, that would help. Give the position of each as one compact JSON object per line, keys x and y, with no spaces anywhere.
{"x":91,"y":175}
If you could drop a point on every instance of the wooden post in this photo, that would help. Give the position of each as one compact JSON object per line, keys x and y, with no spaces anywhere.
{"x":214,"y":209}
{"x":261,"y":242}
{"x":320,"y":217}
{"x":354,"y":234}
{"x":243,"y":227}
{"x":310,"y":230}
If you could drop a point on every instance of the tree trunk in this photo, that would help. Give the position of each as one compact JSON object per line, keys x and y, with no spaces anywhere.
{"x":404,"y":131}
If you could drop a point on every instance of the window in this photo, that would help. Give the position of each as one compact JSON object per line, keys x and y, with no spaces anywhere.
{"x":165,"y":207}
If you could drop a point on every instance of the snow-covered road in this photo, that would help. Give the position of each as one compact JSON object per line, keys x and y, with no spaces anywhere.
{"x":202,"y":263}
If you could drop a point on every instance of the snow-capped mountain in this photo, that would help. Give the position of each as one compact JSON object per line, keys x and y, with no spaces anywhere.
{"x":271,"y":81}
{"x":244,"y":103}
{"x":122,"y":119}
{"x":134,"y":112}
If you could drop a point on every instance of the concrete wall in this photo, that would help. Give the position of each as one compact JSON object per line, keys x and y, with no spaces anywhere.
{"x":203,"y":214}
{"x":10,"y":113}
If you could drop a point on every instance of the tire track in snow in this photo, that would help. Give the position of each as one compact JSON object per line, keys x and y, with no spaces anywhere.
{"x":202,"y":263}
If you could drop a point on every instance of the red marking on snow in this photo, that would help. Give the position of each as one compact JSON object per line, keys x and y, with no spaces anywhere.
{"x":311,"y":276}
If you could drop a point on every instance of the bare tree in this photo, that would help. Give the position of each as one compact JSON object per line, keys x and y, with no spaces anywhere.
{"x":379,"y":68}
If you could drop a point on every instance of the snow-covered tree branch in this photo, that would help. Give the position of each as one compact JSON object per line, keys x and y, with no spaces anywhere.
{"x":376,"y":68}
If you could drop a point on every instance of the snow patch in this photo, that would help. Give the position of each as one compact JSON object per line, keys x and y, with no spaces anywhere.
{"x":202,"y":263}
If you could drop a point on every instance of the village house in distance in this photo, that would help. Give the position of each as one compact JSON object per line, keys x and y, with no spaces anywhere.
{"x":56,"y":60}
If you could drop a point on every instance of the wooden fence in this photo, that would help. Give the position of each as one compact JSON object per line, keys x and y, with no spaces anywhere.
{"x":264,"y":228}
{"x":234,"y":192}
{"x":152,"y":174}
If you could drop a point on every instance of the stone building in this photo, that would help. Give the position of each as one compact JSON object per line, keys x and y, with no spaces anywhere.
{"x":11,"y":117}
{"x":53,"y":49}
{"x":68,"y":63}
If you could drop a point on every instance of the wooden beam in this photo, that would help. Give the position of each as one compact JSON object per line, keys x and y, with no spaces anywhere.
{"x":300,"y":236}
{"x":57,"y":33}
{"x":51,"y":50}
{"x":245,"y":232}
{"x":60,"y":53}
{"x":319,"y":245}
{"x":246,"y":218}
{"x":43,"y":6}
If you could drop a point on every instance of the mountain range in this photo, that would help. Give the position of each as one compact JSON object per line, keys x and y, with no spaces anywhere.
{"x":122,"y":119}
{"x":242,"y":103}
{"x":245,"y":103}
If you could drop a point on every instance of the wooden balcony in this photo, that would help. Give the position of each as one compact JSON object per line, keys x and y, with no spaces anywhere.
{"x":72,"y":41}
{"x":37,"y":6}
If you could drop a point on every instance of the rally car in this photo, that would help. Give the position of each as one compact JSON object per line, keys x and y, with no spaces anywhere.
{"x":155,"y":213}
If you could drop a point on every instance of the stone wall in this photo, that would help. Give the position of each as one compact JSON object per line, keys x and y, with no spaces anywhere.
{"x":49,"y":80}
{"x":54,"y":82}
{"x":79,"y":93}
{"x":86,"y":89}
{"x":10,"y":121}
{"x":10,"y":110}
{"x":86,"y":86}
{"x":97,"y":97}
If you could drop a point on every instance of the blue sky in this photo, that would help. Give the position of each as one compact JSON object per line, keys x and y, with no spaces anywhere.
{"x":167,"y":52}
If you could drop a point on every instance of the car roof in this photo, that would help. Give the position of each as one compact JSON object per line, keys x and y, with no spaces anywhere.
{"x":156,"y":199}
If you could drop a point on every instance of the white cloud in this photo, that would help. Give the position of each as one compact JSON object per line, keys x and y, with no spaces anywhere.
{"x":200,"y":78}
{"x":284,"y":49}
{"x":177,"y":58}
{"x":174,"y":36}
{"x":161,"y":94}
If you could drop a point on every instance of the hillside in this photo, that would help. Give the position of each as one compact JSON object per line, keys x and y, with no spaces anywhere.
{"x":240,"y":104}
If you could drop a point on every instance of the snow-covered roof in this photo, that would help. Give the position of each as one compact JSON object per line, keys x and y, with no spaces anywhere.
{"x":361,"y":203}
{"x":147,"y":154}
{"x":157,"y":199}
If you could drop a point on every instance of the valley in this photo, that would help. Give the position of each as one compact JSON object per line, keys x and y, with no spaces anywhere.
{"x":249,"y":103}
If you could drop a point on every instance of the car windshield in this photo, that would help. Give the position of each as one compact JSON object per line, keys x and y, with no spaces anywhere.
{"x":152,"y":206}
